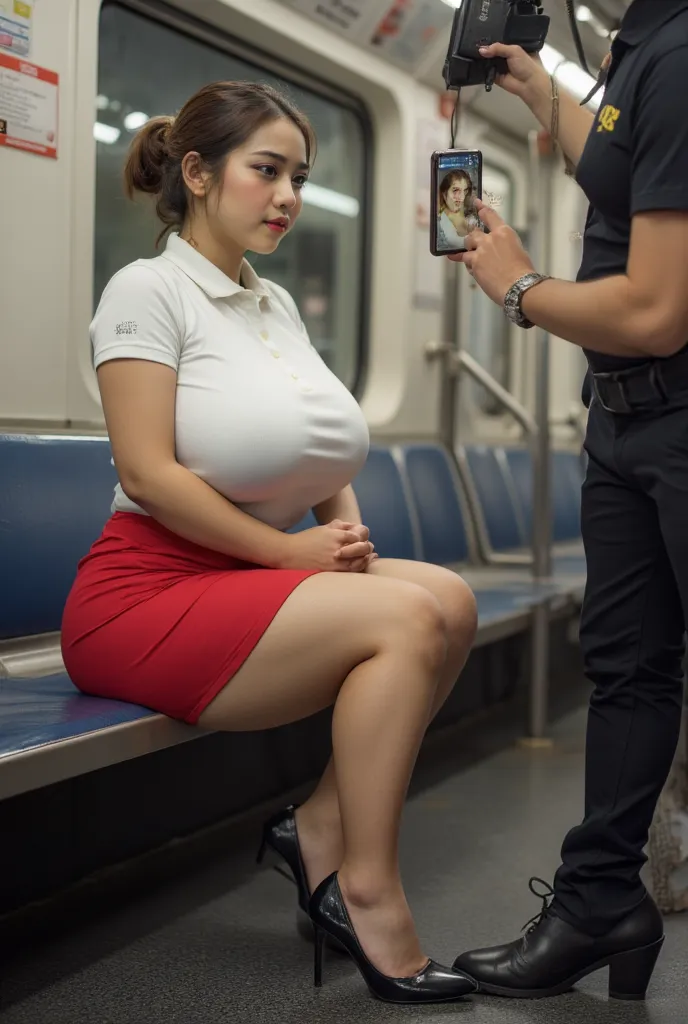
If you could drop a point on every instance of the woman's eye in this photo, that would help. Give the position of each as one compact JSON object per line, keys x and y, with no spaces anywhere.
{"x":300,"y":182}
{"x":267,"y":170}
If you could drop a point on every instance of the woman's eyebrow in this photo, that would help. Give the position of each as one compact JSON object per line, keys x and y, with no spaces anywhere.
{"x":280,"y":158}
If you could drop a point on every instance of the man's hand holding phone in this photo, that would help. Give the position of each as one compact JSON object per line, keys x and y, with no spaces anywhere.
{"x":496,"y":258}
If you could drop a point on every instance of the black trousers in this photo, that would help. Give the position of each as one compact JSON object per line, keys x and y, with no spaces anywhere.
{"x":635,"y":531}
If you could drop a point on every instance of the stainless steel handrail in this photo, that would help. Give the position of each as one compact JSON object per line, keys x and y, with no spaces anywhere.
{"x":473,"y":368}
{"x":461,"y":361}
{"x":539,"y":217}
{"x":455,"y":362}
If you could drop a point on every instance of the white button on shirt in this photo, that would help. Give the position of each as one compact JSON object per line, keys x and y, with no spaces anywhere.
{"x":258,"y":416}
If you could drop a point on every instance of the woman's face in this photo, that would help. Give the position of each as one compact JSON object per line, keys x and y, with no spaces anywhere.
{"x":456,"y":195}
{"x":260,"y":194}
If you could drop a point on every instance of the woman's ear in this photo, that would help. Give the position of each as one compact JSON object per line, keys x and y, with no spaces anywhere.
{"x":195,"y":178}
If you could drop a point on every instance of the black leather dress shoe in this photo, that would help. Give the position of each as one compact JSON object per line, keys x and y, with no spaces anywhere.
{"x":553,"y":955}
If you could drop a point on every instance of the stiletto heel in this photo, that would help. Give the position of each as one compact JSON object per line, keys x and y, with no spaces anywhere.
{"x":260,"y":856}
{"x":630,"y":973}
{"x":319,"y":957}
{"x":434,"y":984}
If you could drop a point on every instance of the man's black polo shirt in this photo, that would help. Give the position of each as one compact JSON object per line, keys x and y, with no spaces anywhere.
{"x":636,"y":158}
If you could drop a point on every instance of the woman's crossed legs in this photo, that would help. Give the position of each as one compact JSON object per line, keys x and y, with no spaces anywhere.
{"x":385,"y":647}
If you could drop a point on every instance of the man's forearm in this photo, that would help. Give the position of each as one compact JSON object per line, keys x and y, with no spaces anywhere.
{"x":575,"y":121}
{"x":607,"y":316}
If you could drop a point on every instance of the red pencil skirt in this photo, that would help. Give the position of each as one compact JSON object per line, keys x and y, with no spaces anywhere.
{"x":156,"y":620}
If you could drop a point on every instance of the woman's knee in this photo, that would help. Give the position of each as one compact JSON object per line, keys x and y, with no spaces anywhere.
{"x":460,"y":611}
{"x":414,"y":624}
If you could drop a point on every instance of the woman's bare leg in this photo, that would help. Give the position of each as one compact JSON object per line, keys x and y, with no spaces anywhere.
{"x":318,"y":819}
{"x":374,"y":648}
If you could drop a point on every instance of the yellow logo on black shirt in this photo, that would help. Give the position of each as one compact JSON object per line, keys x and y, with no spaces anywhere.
{"x":608,"y":117}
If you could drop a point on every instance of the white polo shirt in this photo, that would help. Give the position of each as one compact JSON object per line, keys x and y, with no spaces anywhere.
{"x":258,"y":416}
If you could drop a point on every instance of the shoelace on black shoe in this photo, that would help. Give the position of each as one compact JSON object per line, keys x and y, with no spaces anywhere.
{"x":548,"y":894}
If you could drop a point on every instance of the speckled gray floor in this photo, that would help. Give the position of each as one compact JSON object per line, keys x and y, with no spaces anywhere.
{"x":221,"y":945}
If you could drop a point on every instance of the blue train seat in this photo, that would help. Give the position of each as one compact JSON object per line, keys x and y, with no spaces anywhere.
{"x":520,"y":463}
{"x":55,"y":496}
{"x":433,"y":489}
{"x":494,"y":497}
{"x":39,"y":718}
{"x":504,"y":598}
{"x":384,"y":508}
{"x":501,"y":485}
{"x":565,"y":480}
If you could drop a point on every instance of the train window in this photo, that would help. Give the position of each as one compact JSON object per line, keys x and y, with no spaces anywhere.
{"x":149,"y":66}
{"x":487,"y":336}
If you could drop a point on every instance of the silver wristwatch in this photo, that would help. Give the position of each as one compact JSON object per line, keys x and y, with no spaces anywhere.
{"x":514,"y":297}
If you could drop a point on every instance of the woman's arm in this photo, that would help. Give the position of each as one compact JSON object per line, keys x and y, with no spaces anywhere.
{"x":138,"y":401}
{"x":342,"y":506}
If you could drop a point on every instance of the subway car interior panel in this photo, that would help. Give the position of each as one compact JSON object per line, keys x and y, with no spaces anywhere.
{"x":129,"y":890}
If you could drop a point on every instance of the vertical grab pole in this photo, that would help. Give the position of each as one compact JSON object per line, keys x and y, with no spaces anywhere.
{"x":540,"y":217}
{"x":450,"y":333}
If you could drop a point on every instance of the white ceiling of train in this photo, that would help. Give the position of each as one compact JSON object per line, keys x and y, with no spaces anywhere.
{"x":413,"y":35}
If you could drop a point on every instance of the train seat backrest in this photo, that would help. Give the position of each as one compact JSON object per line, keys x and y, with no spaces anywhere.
{"x":433,"y":488}
{"x":55,"y":496}
{"x":494,"y":496}
{"x":565,"y":484}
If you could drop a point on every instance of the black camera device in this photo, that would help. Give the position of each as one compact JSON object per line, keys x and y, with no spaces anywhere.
{"x":482,"y":22}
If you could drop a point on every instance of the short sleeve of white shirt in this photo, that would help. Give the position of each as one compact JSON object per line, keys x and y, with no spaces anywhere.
{"x":139,"y":317}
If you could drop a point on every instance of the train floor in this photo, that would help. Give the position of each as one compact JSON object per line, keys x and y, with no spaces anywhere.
{"x":220,"y":944}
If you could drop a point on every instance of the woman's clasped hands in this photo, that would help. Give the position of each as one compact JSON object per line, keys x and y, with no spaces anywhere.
{"x":336,"y":547}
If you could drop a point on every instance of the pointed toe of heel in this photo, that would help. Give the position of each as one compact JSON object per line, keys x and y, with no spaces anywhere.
{"x":434,"y":984}
{"x":445,"y":983}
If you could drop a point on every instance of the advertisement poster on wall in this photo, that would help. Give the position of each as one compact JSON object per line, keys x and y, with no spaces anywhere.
{"x":399,"y":30}
{"x":408,"y":29}
{"x":16,"y":20}
{"x":353,"y":19}
{"x":28,"y":107}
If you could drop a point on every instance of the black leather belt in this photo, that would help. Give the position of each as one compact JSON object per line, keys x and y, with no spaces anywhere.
{"x":647,"y":386}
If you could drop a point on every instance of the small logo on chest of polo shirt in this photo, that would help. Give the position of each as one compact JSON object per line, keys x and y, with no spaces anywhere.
{"x":127,"y":327}
{"x":607,"y":119}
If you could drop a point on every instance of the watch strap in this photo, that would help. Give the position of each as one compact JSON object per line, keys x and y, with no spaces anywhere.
{"x":514,"y":298}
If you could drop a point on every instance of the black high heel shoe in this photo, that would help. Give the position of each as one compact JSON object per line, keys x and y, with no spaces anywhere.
{"x":434,"y":984}
{"x":280,"y":835}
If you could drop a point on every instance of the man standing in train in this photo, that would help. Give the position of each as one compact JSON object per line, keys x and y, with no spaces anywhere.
{"x":629,"y":312}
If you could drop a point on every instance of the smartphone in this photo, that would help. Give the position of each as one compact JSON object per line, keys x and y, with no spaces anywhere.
{"x":457,"y":180}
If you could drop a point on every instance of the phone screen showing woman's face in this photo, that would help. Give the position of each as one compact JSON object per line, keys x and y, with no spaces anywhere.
{"x":457,"y":183}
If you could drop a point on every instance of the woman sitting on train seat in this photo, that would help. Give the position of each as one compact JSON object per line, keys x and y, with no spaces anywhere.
{"x":455,"y":212}
{"x":226,"y":427}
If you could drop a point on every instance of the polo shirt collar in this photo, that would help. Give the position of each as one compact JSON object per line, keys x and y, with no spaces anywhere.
{"x":207,"y":276}
{"x":644,"y":17}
